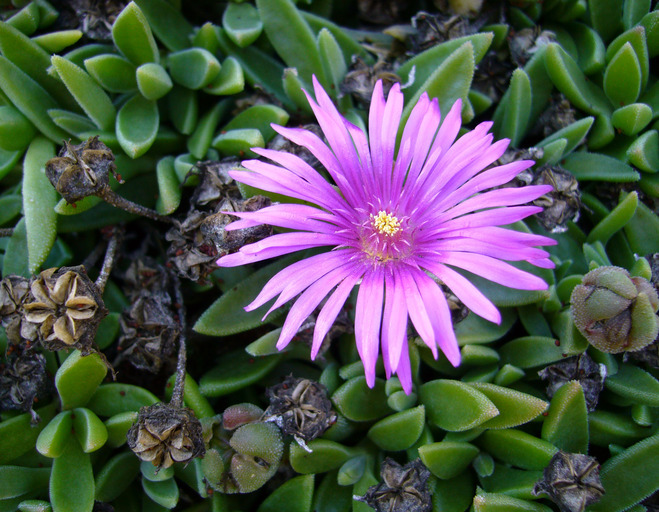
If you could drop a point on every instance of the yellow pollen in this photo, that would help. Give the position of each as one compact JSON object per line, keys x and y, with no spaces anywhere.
{"x":386,"y":223}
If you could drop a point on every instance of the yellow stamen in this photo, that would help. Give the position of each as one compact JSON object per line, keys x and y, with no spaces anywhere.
{"x":386,"y":223}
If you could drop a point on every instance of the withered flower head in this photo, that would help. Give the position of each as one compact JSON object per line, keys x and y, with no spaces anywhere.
{"x":581,"y":368}
{"x":561,"y":204}
{"x":149,"y":326}
{"x":65,"y":307}
{"x":13,"y":292}
{"x":81,"y":170}
{"x":381,"y":12}
{"x":614,"y":311}
{"x":300,"y":407}
{"x":23,"y":380}
{"x":433,"y":29}
{"x":524,"y":43}
{"x":94,"y":18}
{"x":572,"y":481}
{"x":361,"y":78}
{"x":198,"y":240}
{"x":557,"y":116}
{"x":404,"y":488}
{"x":165,"y":434}
{"x":648,"y":355}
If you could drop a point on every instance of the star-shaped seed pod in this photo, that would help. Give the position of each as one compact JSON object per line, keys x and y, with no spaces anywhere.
{"x":165,"y":434}
{"x":301,"y":408}
{"x":13,"y":292}
{"x":572,"y":481}
{"x":580,"y":368}
{"x":65,"y":307}
{"x":404,"y":488}
{"x":615,"y":311}
{"x":81,"y":170}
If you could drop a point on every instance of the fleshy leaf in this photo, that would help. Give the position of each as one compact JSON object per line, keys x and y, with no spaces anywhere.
{"x":193,"y":68}
{"x":398,"y":431}
{"x":167,"y":22}
{"x":132,"y":36}
{"x":153,"y":81}
{"x":137,"y":125}
{"x":72,"y":480}
{"x":624,"y":63}
{"x":598,"y":167}
{"x":55,"y":436}
{"x":115,"y":476}
{"x":517,"y":448}
{"x":78,"y":377}
{"x":113,"y":72}
{"x":295,"y":495}
{"x":324,"y":456}
{"x":512,"y":115}
{"x":447,"y":459}
{"x":230,"y":79}
{"x":242,"y":23}
{"x":566,"y":423}
{"x":113,"y":399}
{"x":515,"y":407}
{"x":357,"y":402}
{"x":89,"y":430}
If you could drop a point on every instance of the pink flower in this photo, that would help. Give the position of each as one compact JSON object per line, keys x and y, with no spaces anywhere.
{"x":395,"y":224}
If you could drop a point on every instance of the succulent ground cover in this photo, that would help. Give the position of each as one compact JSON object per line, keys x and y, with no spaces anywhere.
{"x":133,"y":379}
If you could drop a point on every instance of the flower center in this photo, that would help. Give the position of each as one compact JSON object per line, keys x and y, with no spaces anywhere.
{"x":385,"y":223}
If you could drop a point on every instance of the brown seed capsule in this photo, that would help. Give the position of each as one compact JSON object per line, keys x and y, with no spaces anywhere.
{"x":561,"y":204}
{"x":614,"y":311}
{"x":81,"y":170}
{"x":13,"y":292}
{"x":93,"y":18}
{"x":149,"y":327}
{"x":23,"y":380}
{"x":571,"y":480}
{"x":300,"y":407}
{"x":65,"y":307}
{"x":404,"y":488}
{"x":524,"y":43}
{"x":557,"y":116}
{"x":361,"y":78}
{"x":381,"y":12}
{"x":581,"y":368}
{"x":433,"y":29}
{"x":165,"y":434}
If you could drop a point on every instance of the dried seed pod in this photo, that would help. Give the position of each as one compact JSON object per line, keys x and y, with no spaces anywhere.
{"x":149,"y":327}
{"x":492,"y":75}
{"x":200,"y":239}
{"x":23,"y":380}
{"x":91,"y":17}
{"x":165,"y":434}
{"x":614,"y":311}
{"x":433,"y":29}
{"x":301,"y":408}
{"x":380,"y":12}
{"x":13,"y":292}
{"x":581,"y":368}
{"x":404,"y":488}
{"x":561,"y":204}
{"x":81,"y":170}
{"x":558,"y":115}
{"x":361,"y":78}
{"x":63,"y":309}
{"x":524,"y":43}
{"x":571,"y":480}
{"x":648,"y":355}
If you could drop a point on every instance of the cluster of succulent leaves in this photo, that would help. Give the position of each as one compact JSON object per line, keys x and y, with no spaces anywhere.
{"x":169,"y":88}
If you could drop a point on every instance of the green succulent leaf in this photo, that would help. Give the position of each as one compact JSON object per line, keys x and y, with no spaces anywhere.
{"x":39,"y":200}
{"x":29,"y":98}
{"x":623,"y":63}
{"x":133,"y":37}
{"x":496,"y":502}
{"x":292,"y":38}
{"x":118,"y":426}
{"x":531,"y":352}
{"x":636,"y":38}
{"x":399,"y":431}
{"x":295,"y":495}
{"x":18,"y":436}
{"x":16,"y":481}
{"x":89,"y":95}
{"x":74,"y":124}
{"x":54,"y":438}
{"x":598,"y":167}
{"x":169,"y":188}
{"x":644,"y":152}
{"x":242,"y":23}
{"x":566,"y":423}
{"x":115,"y":476}
{"x":357,"y":402}
{"x":592,"y":52}
{"x":200,"y":141}
{"x":137,"y":125}
{"x":517,"y":483}
{"x":447,"y":459}
{"x":630,"y":477}
{"x":78,"y":378}
{"x":440,"y":398}
{"x":183,"y":108}
{"x":165,"y":493}
{"x":635,"y":384}
{"x":112,"y":399}
{"x":89,"y":430}
{"x":517,"y":448}
{"x":26,"y":20}
{"x":650,"y":22}
{"x":515,"y":407}
{"x":193,"y":68}
{"x":16,"y":130}
{"x":230,"y":79}
{"x":113,"y":72}
{"x":632,"y":118}
{"x":615,"y":220}
{"x":55,"y":42}
{"x":169,"y":25}
{"x":72,"y":480}
{"x":605,"y":428}
{"x":235,"y":371}
{"x":574,"y":133}
{"x":325,"y":456}
{"x":15,"y":259}
{"x":512,"y":115}
{"x":153,"y":81}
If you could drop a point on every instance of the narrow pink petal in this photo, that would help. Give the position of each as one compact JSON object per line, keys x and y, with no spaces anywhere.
{"x":368,"y":315}
{"x":449,"y":128}
{"x":464,"y":289}
{"x":416,"y":308}
{"x":495,"y":217}
{"x":375,"y":115}
{"x":504,"y":235}
{"x":388,"y":126}
{"x":494,"y":270}
{"x":543,"y":263}
{"x":500,"y":197}
{"x":440,"y":319}
{"x":291,"y":216}
{"x":242,"y":258}
{"x":405,"y":371}
{"x":394,"y":324}
{"x":331,"y":310}
{"x":299,"y":274}
{"x":496,"y":250}
{"x":309,"y":301}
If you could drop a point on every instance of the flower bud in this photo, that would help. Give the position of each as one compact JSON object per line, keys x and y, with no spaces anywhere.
{"x":404,"y":488}
{"x":165,"y":434}
{"x":63,"y":309}
{"x":82,"y":170}
{"x":614,"y":311}
{"x":572,"y":481}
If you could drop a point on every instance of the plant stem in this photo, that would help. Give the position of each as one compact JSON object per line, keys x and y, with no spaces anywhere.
{"x":110,"y":197}
{"x":108,"y":261}
{"x":179,"y":384}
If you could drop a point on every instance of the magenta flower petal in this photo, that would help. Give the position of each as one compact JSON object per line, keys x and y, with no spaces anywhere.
{"x":398,"y":221}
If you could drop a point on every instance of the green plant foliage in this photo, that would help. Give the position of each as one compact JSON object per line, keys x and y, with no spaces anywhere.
{"x":132,"y":36}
